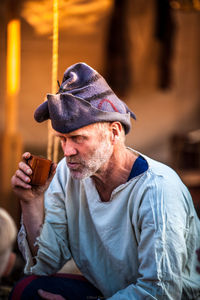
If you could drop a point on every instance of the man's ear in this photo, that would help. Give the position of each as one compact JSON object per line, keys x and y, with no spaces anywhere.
{"x":116,"y":128}
{"x":10,"y":264}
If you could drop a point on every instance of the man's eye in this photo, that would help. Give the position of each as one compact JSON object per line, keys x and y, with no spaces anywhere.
{"x":78,"y":139}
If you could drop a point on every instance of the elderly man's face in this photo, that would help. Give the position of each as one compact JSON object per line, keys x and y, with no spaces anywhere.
{"x":86,"y":150}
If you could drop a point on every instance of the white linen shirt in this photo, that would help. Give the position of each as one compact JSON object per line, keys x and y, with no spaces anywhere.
{"x":139,"y":245}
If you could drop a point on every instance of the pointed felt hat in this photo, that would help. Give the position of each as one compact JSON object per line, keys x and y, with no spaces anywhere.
{"x":84,"y":98}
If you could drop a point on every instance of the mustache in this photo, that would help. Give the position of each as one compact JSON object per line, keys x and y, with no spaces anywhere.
{"x":74,"y":160}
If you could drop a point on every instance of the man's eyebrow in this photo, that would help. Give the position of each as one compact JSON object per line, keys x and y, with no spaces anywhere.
{"x":78,"y":133}
{"x":60,"y":135}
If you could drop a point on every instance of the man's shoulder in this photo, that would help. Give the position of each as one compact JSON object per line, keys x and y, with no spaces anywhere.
{"x":160,"y":176}
{"x":160,"y":169}
{"x":163,"y":180}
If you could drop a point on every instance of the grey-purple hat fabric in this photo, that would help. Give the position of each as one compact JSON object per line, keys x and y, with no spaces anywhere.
{"x":84,"y":98}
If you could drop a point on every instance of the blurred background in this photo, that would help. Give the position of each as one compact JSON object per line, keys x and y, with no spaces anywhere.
{"x":149,"y":51}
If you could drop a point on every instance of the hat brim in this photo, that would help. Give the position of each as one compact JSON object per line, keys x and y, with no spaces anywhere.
{"x":42,"y":112}
{"x":68,"y":113}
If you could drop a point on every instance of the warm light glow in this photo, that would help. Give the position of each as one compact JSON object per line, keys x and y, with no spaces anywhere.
{"x":13,"y":75}
{"x":52,"y":147}
{"x":13,"y":57}
{"x":196,"y":4}
{"x":186,"y":5}
{"x":77,"y":16}
{"x":55,"y":47}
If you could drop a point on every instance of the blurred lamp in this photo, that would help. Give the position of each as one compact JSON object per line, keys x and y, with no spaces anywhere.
{"x":185,"y":5}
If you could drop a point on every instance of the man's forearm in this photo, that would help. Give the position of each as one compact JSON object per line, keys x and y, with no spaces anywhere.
{"x":33,"y":218}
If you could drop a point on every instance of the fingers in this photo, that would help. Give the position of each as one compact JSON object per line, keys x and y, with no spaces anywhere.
{"x":25,"y":168}
{"x":26,"y":155}
{"x":17,"y":181}
{"x":21,"y":177}
{"x":49,"y":296}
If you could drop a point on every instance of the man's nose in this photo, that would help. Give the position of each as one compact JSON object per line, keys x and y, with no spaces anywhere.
{"x":69,"y":149}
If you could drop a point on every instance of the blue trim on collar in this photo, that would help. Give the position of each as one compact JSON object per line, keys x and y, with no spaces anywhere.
{"x":139,"y":167}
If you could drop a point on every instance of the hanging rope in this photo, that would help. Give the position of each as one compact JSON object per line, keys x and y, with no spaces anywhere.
{"x":53,"y":142}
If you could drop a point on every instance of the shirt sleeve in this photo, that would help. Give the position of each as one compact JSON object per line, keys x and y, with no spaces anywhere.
{"x":162,"y":226}
{"x":53,"y":250}
{"x":24,"y":248}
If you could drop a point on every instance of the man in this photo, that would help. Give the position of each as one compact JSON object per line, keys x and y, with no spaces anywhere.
{"x":127,"y":221}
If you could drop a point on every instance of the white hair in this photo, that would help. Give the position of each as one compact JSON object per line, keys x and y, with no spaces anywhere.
{"x":103,"y":126}
{"x":7,"y":237}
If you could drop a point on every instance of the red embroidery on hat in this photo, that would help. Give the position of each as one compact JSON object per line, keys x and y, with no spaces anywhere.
{"x":106,"y":100}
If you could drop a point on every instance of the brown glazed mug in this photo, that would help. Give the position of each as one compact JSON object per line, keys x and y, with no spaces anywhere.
{"x":40,"y":167}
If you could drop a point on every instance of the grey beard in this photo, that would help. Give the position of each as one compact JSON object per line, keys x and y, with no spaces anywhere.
{"x":93,"y":163}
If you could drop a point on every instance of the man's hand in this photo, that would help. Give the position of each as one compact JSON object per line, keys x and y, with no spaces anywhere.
{"x":31,"y":200}
{"x":49,"y":296}
{"x":21,"y":181}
